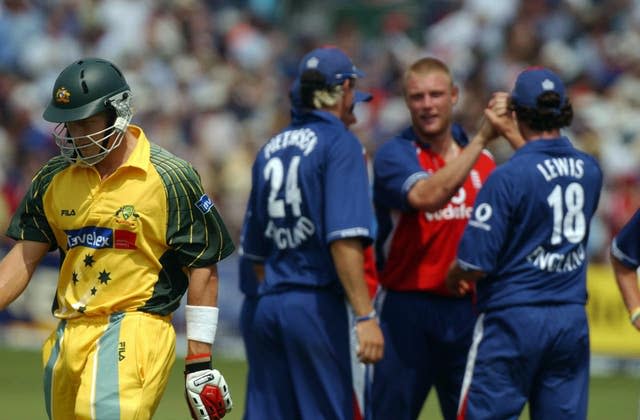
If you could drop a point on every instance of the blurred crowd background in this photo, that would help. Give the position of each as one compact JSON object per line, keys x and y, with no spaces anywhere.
{"x":210,"y":79}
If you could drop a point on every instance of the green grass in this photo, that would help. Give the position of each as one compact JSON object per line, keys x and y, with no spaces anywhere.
{"x":614,"y":397}
{"x":610,"y":398}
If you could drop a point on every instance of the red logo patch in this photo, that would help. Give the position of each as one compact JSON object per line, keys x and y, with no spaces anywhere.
{"x":124,"y":239}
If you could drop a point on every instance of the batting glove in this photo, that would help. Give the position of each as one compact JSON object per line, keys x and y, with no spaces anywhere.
{"x":206,"y":390}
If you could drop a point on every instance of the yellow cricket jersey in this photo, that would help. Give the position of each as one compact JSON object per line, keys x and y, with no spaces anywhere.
{"x":124,"y":241}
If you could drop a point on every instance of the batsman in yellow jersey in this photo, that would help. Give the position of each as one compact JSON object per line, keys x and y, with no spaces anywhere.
{"x":135,"y":232}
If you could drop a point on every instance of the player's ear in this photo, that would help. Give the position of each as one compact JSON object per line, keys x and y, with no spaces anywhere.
{"x":349,"y":83}
{"x":345,"y":85}
{"x":455,"y":93}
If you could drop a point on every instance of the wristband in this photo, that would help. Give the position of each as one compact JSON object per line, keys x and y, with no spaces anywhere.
{"x":366,"y":317}
{"x":197,"y":362}
{"x":635,"y":314}
{"x":202,"y":322}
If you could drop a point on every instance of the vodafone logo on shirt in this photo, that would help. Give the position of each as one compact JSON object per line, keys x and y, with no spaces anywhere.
{"x":456,"y":209}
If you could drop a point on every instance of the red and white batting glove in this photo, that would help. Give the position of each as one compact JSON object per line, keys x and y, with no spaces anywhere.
{"x":206,"y":390}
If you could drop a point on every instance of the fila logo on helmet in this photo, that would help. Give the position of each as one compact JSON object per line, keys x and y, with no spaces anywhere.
{"x":65,"y":212}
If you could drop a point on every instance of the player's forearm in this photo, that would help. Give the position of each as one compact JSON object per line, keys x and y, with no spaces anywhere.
{"x":432,"y":193}
{"x":202,"y":291}
{"x":11,"y":286}
{"x":627,"y":280}
{"x":349,"y":262}
{"x":203,"y":286}
{"x":16,"y":269}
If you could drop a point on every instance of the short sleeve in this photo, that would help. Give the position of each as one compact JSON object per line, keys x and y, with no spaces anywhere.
{"x":486,"y":232}
{"x":625,"y":247}
{"x":195,"y":229}
{"x":347,"y":202}
{"x":29,"y":222}
{"x":396,"y":169}
{"x":253,"y":245}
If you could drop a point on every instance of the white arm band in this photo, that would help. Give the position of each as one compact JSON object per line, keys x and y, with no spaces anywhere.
{"x":202,"y":322}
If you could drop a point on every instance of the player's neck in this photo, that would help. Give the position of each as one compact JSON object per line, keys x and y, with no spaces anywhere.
{"x":339,"y":110}
{"x":444,"y":145}
{"x":530,"y":134}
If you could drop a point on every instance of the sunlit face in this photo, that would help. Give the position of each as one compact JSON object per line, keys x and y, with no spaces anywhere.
{"x":430,"y":99}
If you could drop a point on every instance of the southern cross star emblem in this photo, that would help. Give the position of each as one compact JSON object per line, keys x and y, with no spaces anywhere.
{"x":88,"y":260}
{"x":548,"y":84}
{"x":104,"y":277}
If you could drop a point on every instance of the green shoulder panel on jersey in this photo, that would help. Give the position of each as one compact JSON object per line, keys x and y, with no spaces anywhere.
{"x":29,"y":221}
{"x":199,"y":238}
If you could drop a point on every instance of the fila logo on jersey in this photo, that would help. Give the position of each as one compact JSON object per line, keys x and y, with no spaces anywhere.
{"x":65,"y":212}
{"x":122,"y":348}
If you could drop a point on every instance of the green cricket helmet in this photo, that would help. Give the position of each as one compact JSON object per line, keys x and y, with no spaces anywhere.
{"x":85,"y":88}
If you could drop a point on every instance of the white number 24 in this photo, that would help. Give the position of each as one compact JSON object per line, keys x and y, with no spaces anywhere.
{"x":572,"y":224}
{"x":274,"y":172}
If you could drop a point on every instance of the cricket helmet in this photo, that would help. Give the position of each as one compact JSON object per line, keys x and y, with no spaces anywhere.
{"x":85,"y":88}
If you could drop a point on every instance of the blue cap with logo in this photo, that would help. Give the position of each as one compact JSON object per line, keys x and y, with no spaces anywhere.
{"x":532,"y":83}
{"x":332,"y":63}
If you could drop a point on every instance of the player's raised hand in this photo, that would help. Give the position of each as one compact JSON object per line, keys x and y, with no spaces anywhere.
{"x":207,"y":393}
{"x":499,"y":115}
{"x":370,"y":339}
{"x":487,"y":132}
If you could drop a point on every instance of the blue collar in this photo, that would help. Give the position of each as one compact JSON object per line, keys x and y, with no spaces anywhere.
{"x":305,"y":116}
{"x":458,"y":133}
{"x":542,"y":145}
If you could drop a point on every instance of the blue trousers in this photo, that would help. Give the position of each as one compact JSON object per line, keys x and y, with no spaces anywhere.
{"x":534,"y":353}
{"x":302,"y":368}
{"x":426,"y":342}
{"x":247,"y":313}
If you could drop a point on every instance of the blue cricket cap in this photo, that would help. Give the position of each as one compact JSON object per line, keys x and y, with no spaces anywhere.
{"x":332,"y":63}
{"x":361,"y":96}
{"x":532,"y":83}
